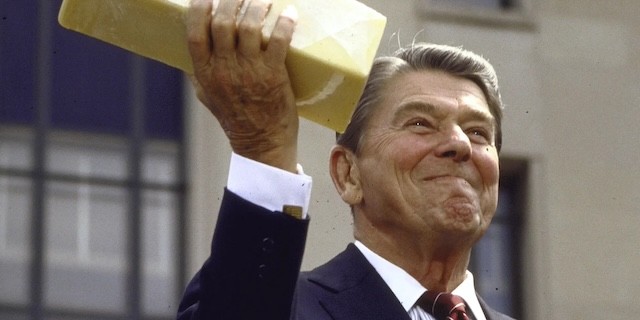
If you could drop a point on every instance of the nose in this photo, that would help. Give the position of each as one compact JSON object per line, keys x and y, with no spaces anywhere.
{"x":454,"y":144}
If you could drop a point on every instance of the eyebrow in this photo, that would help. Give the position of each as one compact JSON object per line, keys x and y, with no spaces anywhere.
{"x":478,"y":115}
{"x":411,"y":107}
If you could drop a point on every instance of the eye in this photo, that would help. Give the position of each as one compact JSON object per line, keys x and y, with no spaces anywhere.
{"x":418,"y":122}
{"x":419,"y":126}
{"x":480,"y":135}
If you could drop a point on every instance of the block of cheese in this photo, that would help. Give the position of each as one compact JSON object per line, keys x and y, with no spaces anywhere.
{"x":331,"y":52}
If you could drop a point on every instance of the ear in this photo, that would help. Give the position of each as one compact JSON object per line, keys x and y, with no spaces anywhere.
{"x":345,"y":175}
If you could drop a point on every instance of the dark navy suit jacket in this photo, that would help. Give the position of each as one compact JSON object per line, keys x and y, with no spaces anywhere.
{"x":254,"y":273}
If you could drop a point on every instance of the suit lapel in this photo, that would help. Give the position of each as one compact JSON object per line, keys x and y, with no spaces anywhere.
{"x":360,"y":292}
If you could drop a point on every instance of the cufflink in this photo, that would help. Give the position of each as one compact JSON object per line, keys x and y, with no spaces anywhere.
{"x":294,"y":211}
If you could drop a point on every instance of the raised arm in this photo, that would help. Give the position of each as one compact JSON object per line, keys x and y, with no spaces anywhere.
{"x":242,"y":79}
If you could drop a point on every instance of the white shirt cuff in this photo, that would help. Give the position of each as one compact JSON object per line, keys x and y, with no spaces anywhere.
{"x":267,"y":186}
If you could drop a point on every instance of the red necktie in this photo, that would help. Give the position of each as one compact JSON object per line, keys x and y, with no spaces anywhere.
{"x":443,"y":306}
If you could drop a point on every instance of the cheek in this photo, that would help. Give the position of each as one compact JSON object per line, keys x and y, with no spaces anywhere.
{"x":488,"y":165}
{"x":396,"y":152}
{"x":385,"y":171}
{"x":407,"y":153}
{"x":489,"y":169}
{"x":490,"y":203}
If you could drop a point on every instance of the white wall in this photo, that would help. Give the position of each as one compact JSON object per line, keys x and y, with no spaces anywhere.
{"x":589,"y":53}
{"x":571,"y":85}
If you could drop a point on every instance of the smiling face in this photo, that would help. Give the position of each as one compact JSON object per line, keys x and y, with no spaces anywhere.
{"x":428,"y":165}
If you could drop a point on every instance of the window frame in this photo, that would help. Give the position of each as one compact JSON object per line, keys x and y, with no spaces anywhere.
{"x":41,"y":128}
{"x":519,"y":16}
{"x":514,"y":179}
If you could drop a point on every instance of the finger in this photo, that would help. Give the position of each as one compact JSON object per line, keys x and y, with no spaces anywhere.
{"x":198,"y":23}
{"x":281,"y":36}
{"x":223,"y":27}
{"x":250,"y":28}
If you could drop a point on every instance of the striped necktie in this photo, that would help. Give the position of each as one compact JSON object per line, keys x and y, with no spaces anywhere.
{"x":443,"y":306}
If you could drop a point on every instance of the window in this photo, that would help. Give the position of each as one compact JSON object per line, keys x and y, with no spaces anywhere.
{"x":495,"y":260}
{"x":91,"y":175}
{"x":485,"y":4}
{"x":513,"y":13}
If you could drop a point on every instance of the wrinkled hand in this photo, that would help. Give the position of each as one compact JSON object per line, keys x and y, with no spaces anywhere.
{"x":243,"y":81}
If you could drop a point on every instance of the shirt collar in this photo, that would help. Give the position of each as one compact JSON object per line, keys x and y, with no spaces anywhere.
{"x":408,"y":290}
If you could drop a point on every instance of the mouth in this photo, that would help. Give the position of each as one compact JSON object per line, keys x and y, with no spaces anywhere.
{"x":444,"y":177}
{"x":448,"y":179}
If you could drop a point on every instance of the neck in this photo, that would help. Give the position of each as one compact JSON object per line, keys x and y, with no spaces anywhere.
{"x":438,"y":264}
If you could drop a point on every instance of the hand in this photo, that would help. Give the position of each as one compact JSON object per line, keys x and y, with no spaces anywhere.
{"x":243,"y":80}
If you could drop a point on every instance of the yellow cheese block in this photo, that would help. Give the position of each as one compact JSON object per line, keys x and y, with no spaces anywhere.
{"x":331,"y":53}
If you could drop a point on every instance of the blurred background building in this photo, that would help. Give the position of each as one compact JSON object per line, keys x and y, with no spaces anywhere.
{"x":111,"y":173}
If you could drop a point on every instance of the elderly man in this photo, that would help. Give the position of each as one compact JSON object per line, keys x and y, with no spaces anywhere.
{"x":418,"y":165}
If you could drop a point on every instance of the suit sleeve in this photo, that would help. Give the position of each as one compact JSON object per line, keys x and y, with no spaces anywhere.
{"x":253,"y":267}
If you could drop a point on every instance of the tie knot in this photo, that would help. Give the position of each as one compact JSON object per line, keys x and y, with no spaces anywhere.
{"x":443,"y":305}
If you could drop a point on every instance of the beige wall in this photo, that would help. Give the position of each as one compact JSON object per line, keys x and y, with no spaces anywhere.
{"x":571,"y":84}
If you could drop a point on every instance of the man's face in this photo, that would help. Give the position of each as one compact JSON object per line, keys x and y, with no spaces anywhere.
{"x":428,"y":163}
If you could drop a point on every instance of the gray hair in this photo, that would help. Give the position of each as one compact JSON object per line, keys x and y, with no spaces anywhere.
{"x":416,"y":57}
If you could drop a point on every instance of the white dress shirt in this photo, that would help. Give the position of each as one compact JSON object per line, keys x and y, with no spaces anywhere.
{"x":256,"y":182}
{"x":408,"y":290}
{"x":267,"y":186}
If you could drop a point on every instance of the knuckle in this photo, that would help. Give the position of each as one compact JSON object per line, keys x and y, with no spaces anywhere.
{"x":280,"y":37}
{"x":248,"y":28}
{"x":277,"y":37}
{"x":222,"y":24}
{"x":195,"y":38}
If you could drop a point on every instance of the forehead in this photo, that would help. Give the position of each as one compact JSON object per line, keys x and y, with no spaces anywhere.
{"x":436,"y":89}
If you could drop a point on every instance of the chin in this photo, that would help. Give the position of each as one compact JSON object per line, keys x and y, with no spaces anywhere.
{"x":465,"y":222}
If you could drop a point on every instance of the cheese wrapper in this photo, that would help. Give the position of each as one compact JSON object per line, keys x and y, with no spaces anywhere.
{"x":330,"y":57}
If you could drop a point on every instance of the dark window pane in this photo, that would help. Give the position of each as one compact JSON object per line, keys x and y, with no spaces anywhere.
{"x":16,"y":315}
{"x":487,"y":4}
{"x":495,"y":260}
{"x":495,"y":276}
{"x":163,"y":107}
{"x":91,"y":84}
{"x":18,"y":43}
